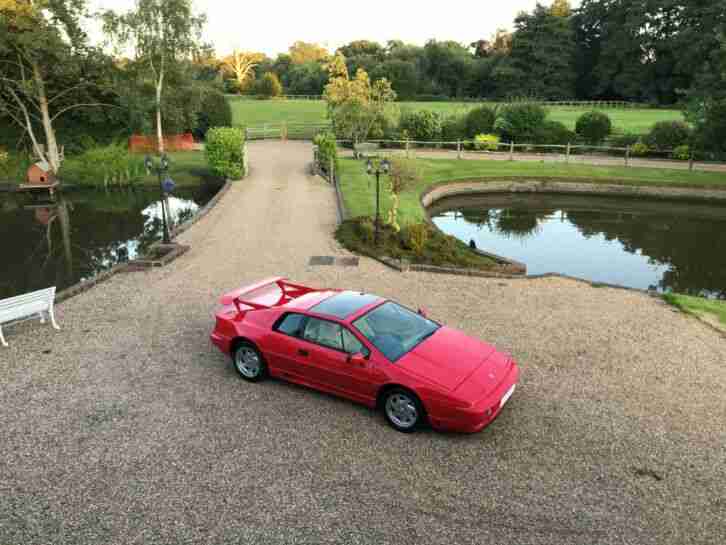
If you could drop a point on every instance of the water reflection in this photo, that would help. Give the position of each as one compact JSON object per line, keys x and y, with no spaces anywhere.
{"x":81,"y":234}
{"x":644,"y":244}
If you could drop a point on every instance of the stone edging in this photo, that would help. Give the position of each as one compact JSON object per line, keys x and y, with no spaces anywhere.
{"x":141,"y":263}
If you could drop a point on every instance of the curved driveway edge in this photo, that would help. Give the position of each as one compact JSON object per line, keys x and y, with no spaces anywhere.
{"x":128,"y":427}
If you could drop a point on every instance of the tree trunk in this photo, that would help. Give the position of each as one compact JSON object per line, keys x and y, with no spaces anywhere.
{"x":159,"y":132}
{"x":52,"y":154}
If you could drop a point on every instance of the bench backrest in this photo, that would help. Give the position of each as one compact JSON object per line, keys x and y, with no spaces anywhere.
{"x":27,"y":304}
{"x":366,"y":146}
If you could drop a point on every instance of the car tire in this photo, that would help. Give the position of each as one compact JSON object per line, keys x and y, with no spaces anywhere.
{"x":249,"y":363}
{"x":403,"y":410}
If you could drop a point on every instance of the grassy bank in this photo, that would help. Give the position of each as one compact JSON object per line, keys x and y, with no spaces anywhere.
{"x":258,"y":112}
{"x":359,"y":188}
{"x":707,"y":308}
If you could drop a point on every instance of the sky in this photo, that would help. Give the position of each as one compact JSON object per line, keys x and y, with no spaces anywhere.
{"x":272,"y":26}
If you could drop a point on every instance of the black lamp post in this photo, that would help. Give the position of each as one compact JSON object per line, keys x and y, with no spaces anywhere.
{"x":382,"y":167}
{"x":165,"y":186}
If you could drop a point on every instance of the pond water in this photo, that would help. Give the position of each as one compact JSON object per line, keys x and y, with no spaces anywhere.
{"x":646,"y":244}
{"x":82,"y":233}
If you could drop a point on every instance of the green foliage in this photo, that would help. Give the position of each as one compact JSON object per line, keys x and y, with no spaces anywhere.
{"x":215,"y":112}
{"x":416,"y":236}
{"x":453,"y":127}
{"x":711,"y":129}
{"x":488,"y":142}
{"x":639,"y":149}
{"x":480,"y":120}
{"x":594,"y":127}
{"x":682,"y":153}
{"x":225,"y":153}
{"x":520,"y":122}
{"x":668,"y":135}
{"x":625,"y":140}
{"x":103,"y":166}
{"x":269,"y":86}
{"x":554,"y":133}
{"x":422,"y":125}
{"x":327,"y":149}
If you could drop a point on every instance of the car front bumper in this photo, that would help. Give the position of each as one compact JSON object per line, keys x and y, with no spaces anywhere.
{"x":475,"y":419}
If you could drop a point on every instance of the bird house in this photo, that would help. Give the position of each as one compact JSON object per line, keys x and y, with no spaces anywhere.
{"x":41,"y":174}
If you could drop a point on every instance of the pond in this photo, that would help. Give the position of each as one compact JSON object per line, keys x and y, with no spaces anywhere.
{"x":82,"y":233}
{"x":660,"y":245}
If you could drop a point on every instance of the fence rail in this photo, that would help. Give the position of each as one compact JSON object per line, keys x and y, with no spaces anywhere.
{"x":286,"y":131}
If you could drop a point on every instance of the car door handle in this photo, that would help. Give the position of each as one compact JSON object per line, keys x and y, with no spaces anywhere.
{"x":303,"y":352}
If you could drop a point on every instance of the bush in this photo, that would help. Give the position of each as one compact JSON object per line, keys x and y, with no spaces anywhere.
{"x":487,"y":142}
{"x":480,"y":121}
{"x":106,"y":165}
{"x":415,"y":237}
{"x":640,"y":149}
{"x":520,"y":122}
{"x":682,"y":153}
{"x":453,"y":127}
{"x":215,"y":112}
{"x":327,"y":150}
{"x":711,"y":131}
{"x":225,"y":152}
{"x":422,"y":125}
{"x":554,"y":133}
{"x":625,"y":140}
{"x":269,"y":86}
{"x":668,"y":135}
{"x":594,"y":127}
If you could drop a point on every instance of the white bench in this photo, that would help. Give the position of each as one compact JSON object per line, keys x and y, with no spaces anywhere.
{"x":26,"y":306}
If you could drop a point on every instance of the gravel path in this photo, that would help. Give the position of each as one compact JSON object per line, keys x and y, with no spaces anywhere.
{"x":128,"y":427}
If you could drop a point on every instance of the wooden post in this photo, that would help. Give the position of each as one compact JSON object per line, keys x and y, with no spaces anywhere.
{"x":511,"y":151}
{"x":283,"y":131}
{"x":264,"y":134}
{"x":627,"y":156}
{"x":458,"y":148}
{"x":690,"y":162}
{"x":567,"y":160}
{"x":331,"y":172}
{"x":408,"y":143}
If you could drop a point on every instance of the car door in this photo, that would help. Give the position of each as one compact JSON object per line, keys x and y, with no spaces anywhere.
{"x":288,"y":354}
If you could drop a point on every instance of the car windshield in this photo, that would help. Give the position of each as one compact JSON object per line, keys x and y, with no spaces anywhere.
{"x":395,"y":330}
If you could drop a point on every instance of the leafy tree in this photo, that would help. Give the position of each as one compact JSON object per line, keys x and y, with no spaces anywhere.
{"x":448,"y":65}
{"x":269,"y":86}
{"x":356,"y":107}
{"x":561,"y":8}
{"x":241,"y":64}
{"x":306,"y":79}
{"x":302,"y":52}
{"x":403,"y":174}
{"x":403,"y":75}
{"x":162,"y":33}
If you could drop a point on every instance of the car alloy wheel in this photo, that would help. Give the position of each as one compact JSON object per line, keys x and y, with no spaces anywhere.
{"x":402,"y":410}
{"x":249,"y":363}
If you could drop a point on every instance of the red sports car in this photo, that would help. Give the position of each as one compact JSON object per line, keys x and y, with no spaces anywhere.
{"x":368,"y":349}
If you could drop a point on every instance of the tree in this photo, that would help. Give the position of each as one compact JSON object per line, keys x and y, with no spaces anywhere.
{"x":269,"y":86}
{"x":355,"y":106}
{"x":162,"y":34}
{"x":561,"y":8}
{"x":241,"y":64}
{"x":403,"y":174}
{"x":302,"y":52}
{"x":43,"y":52}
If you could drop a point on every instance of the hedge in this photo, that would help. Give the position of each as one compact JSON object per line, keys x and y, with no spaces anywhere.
{"x":225,"y":152}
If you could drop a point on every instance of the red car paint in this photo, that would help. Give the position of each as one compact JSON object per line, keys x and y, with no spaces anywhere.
{"x":460,"y":380}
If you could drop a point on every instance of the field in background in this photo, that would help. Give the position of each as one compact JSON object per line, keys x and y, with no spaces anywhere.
{"x":258,"y":112}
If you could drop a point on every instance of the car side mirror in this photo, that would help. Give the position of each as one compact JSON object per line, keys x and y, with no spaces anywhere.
{"x":358,"y":360}
{"x":422,"y":312}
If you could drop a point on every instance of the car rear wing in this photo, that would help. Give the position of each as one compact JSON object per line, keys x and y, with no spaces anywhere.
{"x":245,"y":296}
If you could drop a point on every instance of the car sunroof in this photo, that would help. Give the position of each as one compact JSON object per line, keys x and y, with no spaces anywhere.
{"x":344,"y":304}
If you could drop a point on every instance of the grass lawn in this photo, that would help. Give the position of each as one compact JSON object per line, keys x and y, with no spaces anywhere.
{"x":359,"y":188}
{"x":187,"y":169}
{"x":699,"y":307}
{"x":258,"y":112}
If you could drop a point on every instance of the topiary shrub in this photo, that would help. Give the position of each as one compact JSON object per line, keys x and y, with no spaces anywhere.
{"x":480,"y":121}
{"x":269,"y":86}
{"x":594,"y":127}
{"x":520,"y":122}
{"x":668,"y":135}
{"x":225,"y":152}
{"x":215,"y":112}
{"x":554,"y":133}
{"x":682,"y":153}
{"x":422,"y":125}
{"x":327,"y":150}
{"x":486,"y":142}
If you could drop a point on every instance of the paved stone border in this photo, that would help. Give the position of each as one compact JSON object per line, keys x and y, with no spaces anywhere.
{"x":141,"y":263}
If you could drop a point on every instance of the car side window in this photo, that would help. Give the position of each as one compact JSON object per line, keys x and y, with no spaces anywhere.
{"x":352,"y":345}
{"x":324,"y":332}
{"x":291,"y":325}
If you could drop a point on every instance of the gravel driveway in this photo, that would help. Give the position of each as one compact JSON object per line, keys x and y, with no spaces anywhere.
{"x":128,"y":427}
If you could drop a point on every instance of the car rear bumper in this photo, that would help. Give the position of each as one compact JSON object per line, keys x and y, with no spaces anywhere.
{"x":482,"y":414}
{"x":223,"y":342}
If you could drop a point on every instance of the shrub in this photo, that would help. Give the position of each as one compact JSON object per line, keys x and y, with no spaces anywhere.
{"x":269,"y":86}
{"x":415,"y":237}
{"x":104,"y":165}
{"x":682,"y":153}
{"x":520,"y":122}
{"x":668,"y":135}
{"x":554,"y":133}
{"x":711,"y":129}
{"x":453,"y":127}
{"x":422,"y":125}
{"x":480,"y":121}
{"x":640,"y":149}
{"x":487,"y":142}
{"x":215,"y":112}
{"x":625,"y":140}
{"x":594,"y":127}
{"x":225,"y":152}
{"x":327,"y":149}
